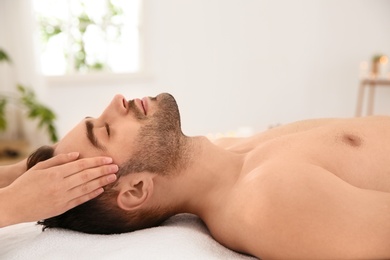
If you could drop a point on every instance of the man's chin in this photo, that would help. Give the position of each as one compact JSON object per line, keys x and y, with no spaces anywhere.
{"x":165,"y":95}
{"x":169,"y":105}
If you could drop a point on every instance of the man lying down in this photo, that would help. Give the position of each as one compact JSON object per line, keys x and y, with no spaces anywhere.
{"x":307,"y":190}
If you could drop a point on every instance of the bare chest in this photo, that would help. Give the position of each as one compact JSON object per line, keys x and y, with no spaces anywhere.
{"x":358,"y":155}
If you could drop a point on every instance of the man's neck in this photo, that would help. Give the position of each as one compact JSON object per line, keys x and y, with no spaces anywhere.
{"x":205,"y":181}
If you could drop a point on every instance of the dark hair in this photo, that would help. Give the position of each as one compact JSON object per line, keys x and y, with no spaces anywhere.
{"x":100,"y":215}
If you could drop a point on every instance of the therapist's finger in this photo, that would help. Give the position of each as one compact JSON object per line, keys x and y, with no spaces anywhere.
{"x":83,"y":164}
{"x":87,"y":178}
{"x":56,"y":160}
{"x":65,"y":168}
{"x":83,"y":198}
{"x":89,"y":189}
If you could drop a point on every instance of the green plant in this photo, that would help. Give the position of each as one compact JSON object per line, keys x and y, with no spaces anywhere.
{"x":26,"y":98}
{"x":76,"y":31}
{"x":4,"y":56}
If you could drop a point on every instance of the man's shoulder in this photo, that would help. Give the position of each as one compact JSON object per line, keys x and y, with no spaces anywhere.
{"x":277,"y":182}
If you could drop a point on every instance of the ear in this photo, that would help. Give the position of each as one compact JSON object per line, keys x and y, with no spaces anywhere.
{"x":135,"y":191}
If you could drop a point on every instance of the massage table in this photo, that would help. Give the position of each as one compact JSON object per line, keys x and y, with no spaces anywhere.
{"x":182,"y":236}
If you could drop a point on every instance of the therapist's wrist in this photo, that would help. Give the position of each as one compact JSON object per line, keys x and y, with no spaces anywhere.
{"x":6,"y":175}
{"x":8,"y":216}
{"x":9,"y":173}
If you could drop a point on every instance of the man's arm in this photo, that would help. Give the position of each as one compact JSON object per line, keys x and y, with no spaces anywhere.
{"x":313,"y":214}
{"x":245,"y":144}
{"x":295,"y":127}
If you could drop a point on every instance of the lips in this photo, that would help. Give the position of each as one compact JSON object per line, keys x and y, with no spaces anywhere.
{"x":141,"y":104}
{"x":145,"y":104}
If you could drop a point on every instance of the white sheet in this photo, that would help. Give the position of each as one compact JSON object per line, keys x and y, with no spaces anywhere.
{"x":181,"y":237}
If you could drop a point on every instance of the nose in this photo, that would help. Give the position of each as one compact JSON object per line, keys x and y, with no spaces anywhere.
{"x":121,"y":101}
{"x":118,"y":106}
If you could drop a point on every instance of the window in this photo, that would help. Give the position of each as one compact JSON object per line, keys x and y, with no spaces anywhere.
{"x":82,"y":36}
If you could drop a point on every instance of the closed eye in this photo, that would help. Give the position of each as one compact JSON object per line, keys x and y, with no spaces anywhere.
{"x":107,"y":128}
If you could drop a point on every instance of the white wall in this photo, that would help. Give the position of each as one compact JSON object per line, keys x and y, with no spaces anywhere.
{"x":233,"y":63}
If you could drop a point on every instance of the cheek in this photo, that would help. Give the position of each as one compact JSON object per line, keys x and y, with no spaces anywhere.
{"x":123,"y":146}
{"x":121,"y":151}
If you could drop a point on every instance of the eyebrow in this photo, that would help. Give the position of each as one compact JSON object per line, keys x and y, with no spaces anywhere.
{"x":91,"y":136}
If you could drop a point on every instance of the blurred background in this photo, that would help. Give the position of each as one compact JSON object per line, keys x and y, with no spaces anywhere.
{"x":234,"y":67}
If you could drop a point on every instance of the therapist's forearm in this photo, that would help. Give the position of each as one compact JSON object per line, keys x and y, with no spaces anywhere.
{"x":8,"y":214}
{"x":9,"y":173}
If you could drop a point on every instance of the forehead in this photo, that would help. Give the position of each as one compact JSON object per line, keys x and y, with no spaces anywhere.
{"x":76,"y":141}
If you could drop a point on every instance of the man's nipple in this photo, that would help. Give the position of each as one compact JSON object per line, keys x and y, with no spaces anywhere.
{"x":351,"y":139}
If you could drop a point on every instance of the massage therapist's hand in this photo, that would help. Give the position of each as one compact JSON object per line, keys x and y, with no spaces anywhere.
{"x":54,"y":186}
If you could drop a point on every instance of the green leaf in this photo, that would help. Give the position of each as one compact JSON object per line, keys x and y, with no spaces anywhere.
{"x":36,"y":110}
{"x":4,"y":56}
{"x":3,"y":121}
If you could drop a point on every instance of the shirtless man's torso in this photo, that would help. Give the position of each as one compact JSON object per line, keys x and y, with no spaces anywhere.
{"x":315,"y":189}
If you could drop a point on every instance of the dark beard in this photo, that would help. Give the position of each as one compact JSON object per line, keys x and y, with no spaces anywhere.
{"x":160,"y":142}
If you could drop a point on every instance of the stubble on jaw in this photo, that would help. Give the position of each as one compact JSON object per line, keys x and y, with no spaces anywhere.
{"x":160,"y":146}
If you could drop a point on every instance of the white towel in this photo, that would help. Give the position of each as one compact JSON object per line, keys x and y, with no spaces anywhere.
{"x":181,"y":237}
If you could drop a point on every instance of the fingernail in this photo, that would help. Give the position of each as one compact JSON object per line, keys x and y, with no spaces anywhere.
{"x":111,"y":177}
{"x":99,"y":191}
{"x":73,"y":155}
{"x":113,"y":168}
